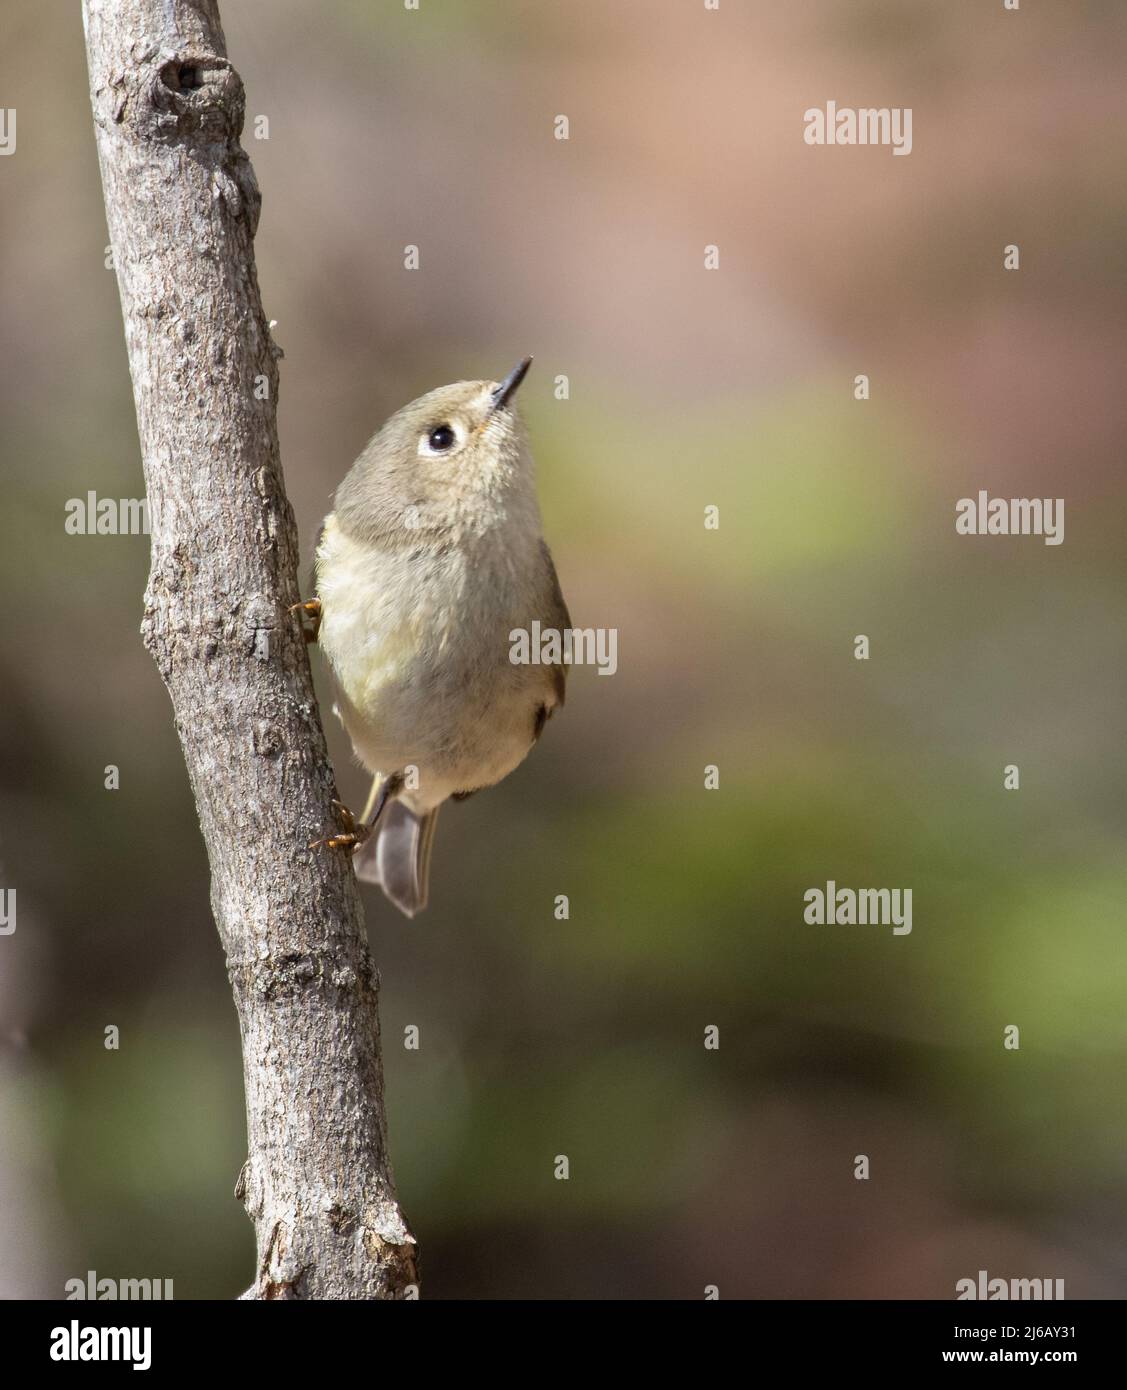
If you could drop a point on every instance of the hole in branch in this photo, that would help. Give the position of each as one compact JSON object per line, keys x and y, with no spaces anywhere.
{"x":182,"y":76}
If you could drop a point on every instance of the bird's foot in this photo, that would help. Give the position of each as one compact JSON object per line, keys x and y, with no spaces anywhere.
{"x":353,"y":833}
{"x":310,"y":610}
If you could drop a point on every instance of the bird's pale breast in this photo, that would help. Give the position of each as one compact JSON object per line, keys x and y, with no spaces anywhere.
{"x":418,"y":641}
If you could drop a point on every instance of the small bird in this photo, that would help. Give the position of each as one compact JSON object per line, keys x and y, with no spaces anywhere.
{"x":431,"y":558}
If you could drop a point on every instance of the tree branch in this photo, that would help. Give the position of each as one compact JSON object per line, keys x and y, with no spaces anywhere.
{"x":182,"y":206}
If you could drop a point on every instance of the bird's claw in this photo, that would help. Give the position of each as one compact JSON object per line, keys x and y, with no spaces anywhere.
{"x":352,"y":836}
{"x":310,"y":609}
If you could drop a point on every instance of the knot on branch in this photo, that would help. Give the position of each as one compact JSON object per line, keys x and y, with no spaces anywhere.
{"x":195,"y":95}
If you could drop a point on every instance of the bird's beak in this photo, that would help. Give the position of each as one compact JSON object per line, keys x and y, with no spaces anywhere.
{"x":508,"y":388}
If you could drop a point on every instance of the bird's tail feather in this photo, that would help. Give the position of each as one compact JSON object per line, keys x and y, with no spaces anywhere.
{"x":399,"y":859}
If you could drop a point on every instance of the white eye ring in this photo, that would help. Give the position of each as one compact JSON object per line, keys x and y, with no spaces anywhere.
{"x":441,"y":440}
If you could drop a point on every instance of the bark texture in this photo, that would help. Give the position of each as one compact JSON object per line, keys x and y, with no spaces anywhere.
{"x":182,"y":206}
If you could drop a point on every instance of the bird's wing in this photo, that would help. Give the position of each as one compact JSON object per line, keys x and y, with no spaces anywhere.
{"x":555,"y":616}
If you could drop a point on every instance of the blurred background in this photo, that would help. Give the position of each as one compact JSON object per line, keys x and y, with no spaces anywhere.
{"x":688,"y":388}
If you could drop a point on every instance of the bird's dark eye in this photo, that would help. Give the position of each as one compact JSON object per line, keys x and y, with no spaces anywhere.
{"x":441,"y":437}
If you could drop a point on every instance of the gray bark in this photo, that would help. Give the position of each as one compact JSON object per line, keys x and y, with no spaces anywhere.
{"x":182,"y":206}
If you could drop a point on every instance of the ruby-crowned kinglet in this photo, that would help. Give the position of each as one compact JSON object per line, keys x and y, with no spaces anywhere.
{"x":430,"y":559}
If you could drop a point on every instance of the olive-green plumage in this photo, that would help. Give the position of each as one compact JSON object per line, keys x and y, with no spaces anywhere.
{"x":432,"y":556}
